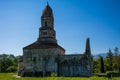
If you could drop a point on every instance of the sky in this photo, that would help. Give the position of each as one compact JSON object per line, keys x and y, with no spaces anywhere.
{"x":74,"y":22}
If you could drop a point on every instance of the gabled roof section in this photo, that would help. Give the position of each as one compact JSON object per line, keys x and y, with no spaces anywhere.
{"x":38,"y":45}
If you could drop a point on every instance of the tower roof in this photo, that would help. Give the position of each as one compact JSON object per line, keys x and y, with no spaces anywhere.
{"x":47,"y":12}
{"x":46,"y":41}
{"x":88,"y":50}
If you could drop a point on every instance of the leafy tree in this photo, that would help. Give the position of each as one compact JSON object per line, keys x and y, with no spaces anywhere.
{"x":8,"y":63}
{"x":96,"y":66}
{"x":53,"y":74}
{"x":11,"y":69}
{"x":5,"y":62}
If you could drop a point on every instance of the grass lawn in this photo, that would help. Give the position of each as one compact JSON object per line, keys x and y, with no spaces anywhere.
{"x":11,"y":76}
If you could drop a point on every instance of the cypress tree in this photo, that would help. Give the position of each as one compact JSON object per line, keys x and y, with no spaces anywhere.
{"x":102,"y":70}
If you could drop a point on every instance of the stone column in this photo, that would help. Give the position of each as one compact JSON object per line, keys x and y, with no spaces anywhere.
{"x":56,"y":68}
{"x":44,"y":66}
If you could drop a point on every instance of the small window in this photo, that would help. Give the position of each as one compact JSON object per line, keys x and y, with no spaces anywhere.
{"x":44,"y":33}
{"x":34,"y":59}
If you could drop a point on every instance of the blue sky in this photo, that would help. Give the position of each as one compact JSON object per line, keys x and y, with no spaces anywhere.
{"x":75,"y":20}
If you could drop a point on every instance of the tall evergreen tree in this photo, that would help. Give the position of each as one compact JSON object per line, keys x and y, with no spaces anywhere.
{"x":116,"y":51}
{"x":116,"y":59}
{"x":102,"y":70}
{"x":119,"y":62}
{"x":109,"y":59}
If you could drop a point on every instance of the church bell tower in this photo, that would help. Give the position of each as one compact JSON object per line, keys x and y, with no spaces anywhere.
{"x":47,"y":34}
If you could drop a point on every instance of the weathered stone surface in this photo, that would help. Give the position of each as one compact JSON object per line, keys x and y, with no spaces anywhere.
{"x":45,"y":56}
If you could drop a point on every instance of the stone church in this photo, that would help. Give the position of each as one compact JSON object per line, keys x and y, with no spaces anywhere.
{"x":46,"y":56}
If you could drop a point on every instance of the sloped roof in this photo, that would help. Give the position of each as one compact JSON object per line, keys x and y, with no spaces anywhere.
{"x":38,"y":45}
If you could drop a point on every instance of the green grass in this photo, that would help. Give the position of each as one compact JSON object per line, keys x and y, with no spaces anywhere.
{"x":11,"y":76}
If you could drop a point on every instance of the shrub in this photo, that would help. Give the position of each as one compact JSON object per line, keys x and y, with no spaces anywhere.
{"x":11,"y":69}
{"x":53,"y":74}
{"x":113,"y":74}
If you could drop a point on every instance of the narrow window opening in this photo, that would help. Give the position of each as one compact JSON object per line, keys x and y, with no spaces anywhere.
{"x":45,"y":23}
{"x":34,"y":59}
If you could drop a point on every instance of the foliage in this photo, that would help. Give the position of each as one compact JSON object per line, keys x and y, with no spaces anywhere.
{"x":96,"y":66}
{"x":110,"y":63}
{"x":8,"y":63}
{"x":100,"y":74}
{"x":116,"y":59}
{"x":53,"y":74}
{"x":11,"y":69}
{"x":109,"y":59}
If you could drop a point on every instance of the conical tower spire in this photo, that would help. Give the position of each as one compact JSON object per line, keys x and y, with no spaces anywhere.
{"x":88,"y":50}
{"x":47,"y":12}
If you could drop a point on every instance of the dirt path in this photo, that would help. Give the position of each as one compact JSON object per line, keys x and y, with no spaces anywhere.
{"x":16,"y":76}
